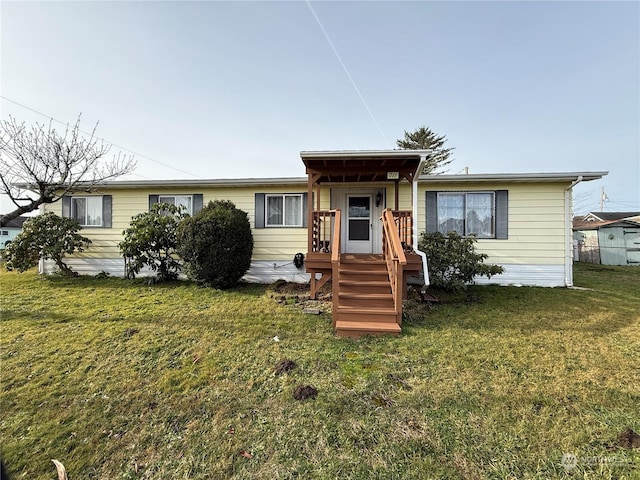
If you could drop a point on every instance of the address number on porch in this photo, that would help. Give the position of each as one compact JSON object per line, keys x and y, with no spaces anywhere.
{"x":393,"y":175}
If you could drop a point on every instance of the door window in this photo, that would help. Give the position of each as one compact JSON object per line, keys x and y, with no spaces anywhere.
{"x":359,"y":218}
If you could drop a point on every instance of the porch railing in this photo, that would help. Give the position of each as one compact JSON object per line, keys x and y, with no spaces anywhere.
{"x":404,"y":223}
{"x":323,"y":222}
{"x":393,"y":254}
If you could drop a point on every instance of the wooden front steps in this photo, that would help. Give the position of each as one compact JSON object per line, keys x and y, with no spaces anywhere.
{"x":365,"y":302}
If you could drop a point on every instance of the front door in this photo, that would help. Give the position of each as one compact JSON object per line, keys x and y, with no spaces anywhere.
{"x":359,"y":224}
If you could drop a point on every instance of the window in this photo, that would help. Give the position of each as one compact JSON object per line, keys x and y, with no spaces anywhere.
{"x":88,"y":211}
{"x":5,"y":232}
{"x":466,"y":213}
{"x":192,"y":203}
{"x":184,"y":200}
{"x":283,"y":210}
{"x":280,"y":210}
{"x":483,"y":214}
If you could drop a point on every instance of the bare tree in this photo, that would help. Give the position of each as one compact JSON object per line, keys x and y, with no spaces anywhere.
{"x":50,"y":164}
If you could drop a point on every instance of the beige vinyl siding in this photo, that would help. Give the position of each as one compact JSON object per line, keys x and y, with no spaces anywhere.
{"x":537,"y":234}
{"x":274,"y":243}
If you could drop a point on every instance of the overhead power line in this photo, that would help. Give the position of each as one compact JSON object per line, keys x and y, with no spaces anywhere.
{"x":101,"y":138}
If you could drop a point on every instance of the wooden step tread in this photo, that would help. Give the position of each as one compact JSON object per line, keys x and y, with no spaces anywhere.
{"x":349,"y":268}
{"x":366,"y":296}
{"x":365,"y":311}
{"x":390,"y":327}
{"x":365,"y":283}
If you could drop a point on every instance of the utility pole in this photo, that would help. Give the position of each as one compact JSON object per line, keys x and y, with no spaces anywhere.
{"x":603,"y":198}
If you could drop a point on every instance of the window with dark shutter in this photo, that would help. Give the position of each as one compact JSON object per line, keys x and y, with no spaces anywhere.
{"x":88,"y":211}
{"x":480,"y":213}
{"x":280,"y":210}
{"x":191,"y":203}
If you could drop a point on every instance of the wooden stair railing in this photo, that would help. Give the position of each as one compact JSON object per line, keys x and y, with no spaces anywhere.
{"x":393,"y":254}
{"x":335,"y":264}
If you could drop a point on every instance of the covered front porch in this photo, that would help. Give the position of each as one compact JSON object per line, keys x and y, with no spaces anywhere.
{"x":364,"y":242}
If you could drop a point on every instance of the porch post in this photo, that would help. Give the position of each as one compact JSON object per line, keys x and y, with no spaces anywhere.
{"x":309,"y":211}
{"x":397,"y":195}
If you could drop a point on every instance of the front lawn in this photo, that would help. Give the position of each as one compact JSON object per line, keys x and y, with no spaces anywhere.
{"x":119,"y":379}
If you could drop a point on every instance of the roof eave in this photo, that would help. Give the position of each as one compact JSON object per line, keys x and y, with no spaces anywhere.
{"x":345,"y":154}
{"x":515,"y":177}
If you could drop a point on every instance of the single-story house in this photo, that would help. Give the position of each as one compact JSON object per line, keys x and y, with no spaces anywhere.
{"x":356,"y":217}
{"x":9,"y":230}
{"x":609,"y":238}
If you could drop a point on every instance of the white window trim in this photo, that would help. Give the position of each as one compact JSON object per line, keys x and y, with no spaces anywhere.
{"x":465,"y":193}
{"x":72,"y":209}
{"x":284,"y":214}
{"x":174,"y":195}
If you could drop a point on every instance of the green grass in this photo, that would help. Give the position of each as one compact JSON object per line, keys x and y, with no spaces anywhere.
{"x":121,"y":380}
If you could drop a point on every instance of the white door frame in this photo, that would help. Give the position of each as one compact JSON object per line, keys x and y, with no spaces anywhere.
{"x":339,"y":200}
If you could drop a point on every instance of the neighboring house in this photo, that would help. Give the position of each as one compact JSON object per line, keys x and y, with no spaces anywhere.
{"x":9,"y":230}
{"x":523,"y":222}
{"x":609,"y":238}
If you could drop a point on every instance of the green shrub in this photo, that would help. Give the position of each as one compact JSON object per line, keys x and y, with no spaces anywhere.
{"x":151,"y":241}
{"x":452,"y":260}
{"x":46,"y":236}
{"x":216,"y":244}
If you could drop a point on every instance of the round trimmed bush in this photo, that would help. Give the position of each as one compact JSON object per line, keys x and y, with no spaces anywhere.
{"x":216,"y":244}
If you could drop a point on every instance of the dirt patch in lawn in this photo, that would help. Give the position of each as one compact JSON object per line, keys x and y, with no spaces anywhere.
{"x":629,"y":439}
{"x":285,"y":365}
{"x":299,"y":295}
{"x":303,"y":392}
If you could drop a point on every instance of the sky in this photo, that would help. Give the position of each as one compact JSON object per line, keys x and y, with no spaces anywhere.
{"x":238,"y":89}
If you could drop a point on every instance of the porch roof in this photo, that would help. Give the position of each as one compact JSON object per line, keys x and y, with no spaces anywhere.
{"x":361,"y":165}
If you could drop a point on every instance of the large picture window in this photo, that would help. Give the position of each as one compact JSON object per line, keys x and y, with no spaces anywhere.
{"x":470,"y":213}
{"x":87,"y":211}
{"x":283,"y":210}
{"x":484,"y":214}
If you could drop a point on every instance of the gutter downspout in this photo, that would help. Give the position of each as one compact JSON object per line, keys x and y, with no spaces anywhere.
{"x":568,"y":248}
{"x":414,"y":201}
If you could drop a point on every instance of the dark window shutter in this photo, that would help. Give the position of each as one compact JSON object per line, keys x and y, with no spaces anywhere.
{"x":305,"y":207}
{"x":432,"y":211}
{"x":107,"y":211}
{"x":259,"y":210}
{"x":152,"y":200}
{"x":197,"y":203}
{"x":66,"y":206}
{"x":502,"y":214}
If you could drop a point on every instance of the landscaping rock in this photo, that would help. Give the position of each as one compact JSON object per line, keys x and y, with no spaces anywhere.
{"x":302,"y":392}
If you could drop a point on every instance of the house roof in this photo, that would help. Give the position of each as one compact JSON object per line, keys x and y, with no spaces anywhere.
{"x":362,"y":165}
{"x":606,"y":216}
{"x":595,"y":220}
{"x":16,"y":222}
{"x":284,"y":181}
{"x":591,"y":225}
{"x":207,"y":182}
{"x":516,"y":177}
